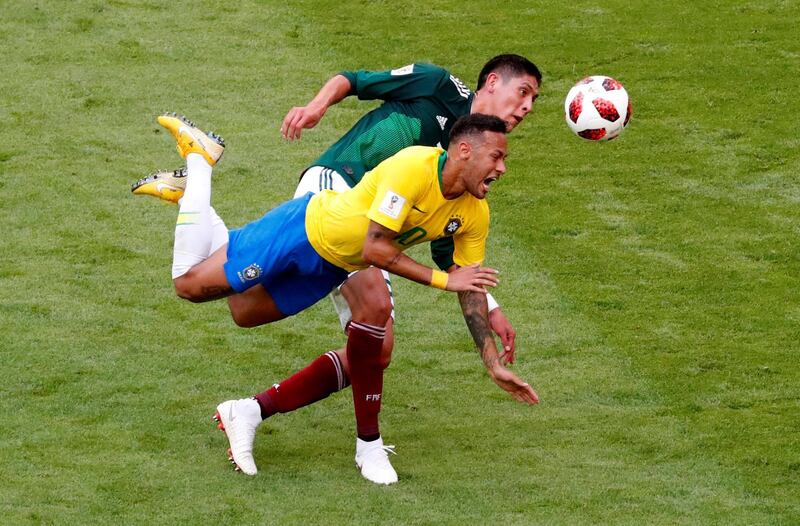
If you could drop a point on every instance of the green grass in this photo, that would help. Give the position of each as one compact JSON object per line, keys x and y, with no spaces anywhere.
{"x":653,"y":281}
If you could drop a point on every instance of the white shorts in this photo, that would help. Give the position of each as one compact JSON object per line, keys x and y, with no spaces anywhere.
{"x":319,"y":178}
{"x":315,"y":180}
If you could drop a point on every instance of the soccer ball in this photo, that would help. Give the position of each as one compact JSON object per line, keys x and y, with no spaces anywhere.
{"x":597,"y":108}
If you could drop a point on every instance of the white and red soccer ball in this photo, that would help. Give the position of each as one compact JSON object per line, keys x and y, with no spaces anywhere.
{"x":597,"y":108}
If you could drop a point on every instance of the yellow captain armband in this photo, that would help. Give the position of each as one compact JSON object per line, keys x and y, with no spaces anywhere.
{"x":439,"y":279}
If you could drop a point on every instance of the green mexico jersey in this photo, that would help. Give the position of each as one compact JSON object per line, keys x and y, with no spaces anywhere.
{"x":421,"y":104}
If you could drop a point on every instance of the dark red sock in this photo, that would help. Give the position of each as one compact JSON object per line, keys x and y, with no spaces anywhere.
{"x":364,"y":343}
{"x":316,"y":381}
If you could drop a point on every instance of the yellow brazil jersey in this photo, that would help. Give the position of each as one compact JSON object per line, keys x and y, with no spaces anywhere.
{"x":404,"y":194}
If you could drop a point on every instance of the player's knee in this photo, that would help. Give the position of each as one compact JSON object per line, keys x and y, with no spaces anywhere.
{"x":373,"y":309}
{"x":185,"y":290}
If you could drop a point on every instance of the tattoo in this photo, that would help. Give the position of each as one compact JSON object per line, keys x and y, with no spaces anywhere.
{"x":215,"y":292}
{"x":395,"y":259}
{"x":377,"y":232}
{"x":476,"y":314}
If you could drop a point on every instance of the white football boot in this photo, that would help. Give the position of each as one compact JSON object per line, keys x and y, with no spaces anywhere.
{"x":372,"y":460}
{"x":239,"y":420}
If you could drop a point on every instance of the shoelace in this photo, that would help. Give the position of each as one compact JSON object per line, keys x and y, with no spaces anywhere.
{"x":380,"y":453}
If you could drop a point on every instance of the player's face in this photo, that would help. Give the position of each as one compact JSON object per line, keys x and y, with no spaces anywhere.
{"x":512,"y":98}
{"x":487,"y":163}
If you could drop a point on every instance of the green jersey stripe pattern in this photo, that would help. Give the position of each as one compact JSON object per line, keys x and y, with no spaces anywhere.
{"x":421,"y":103}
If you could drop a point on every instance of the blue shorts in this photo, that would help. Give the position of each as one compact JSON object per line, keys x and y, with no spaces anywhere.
{"x":274,"y":251}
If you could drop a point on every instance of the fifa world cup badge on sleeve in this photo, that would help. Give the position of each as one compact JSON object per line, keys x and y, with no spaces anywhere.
{"x":392,"y":204}
{"x":405,"y":70}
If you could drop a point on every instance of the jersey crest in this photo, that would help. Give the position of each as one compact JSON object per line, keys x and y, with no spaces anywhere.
{"x":452,"y":226}
{"x":250,"y":273}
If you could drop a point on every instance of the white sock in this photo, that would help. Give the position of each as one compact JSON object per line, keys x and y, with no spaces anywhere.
{"x":193,"y":231}
{"x":219,"y":232}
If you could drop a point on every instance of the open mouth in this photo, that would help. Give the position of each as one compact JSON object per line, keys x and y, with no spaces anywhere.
{"x":514,"y":121}
{"x":488,"y":181}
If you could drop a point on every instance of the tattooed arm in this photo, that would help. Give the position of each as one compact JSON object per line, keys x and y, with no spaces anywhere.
{"x":476,"y":314}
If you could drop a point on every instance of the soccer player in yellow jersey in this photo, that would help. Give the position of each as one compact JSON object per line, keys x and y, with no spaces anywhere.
{"x":304,"y":248}
{"x":420,"y":104}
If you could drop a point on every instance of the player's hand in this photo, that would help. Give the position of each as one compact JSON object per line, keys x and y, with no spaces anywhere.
{"x":502,"y":327}
{"x":299,"y":118}
{"x":511,"y":383}
{"x":472,"y":278}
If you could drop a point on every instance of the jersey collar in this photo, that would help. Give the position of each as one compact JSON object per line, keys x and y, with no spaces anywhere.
{"x":470,"y":102}
{"x":442,"y":159}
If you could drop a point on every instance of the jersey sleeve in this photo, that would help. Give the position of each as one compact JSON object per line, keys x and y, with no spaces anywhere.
{"x":398,"y":189}
{"x":470,"y":244}
{"x":406,"y":83}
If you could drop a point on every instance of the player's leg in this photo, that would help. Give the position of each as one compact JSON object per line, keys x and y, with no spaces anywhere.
{"x":251,"y":307}
{"x":329,"y":372}
{"x":320,"y":378}
{"x":325,"y":375}
{"x":196,"y":275}
{"x":193,"y":228}
{"x":365,"y":344}
{"x":386,"y":351}
{"x":170,"y":185}
{"x":370,"y":295}
{"x":206,"y":280}
{"x":240,"y":418}
{"x":197,"y":223}
{"x":298,"y":278}
{"x":371,"y":299}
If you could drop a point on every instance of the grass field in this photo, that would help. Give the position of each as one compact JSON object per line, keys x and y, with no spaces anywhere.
{"x":653,"y":281}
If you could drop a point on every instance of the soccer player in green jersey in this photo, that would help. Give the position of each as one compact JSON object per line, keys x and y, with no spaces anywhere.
{"x":421,"y":104}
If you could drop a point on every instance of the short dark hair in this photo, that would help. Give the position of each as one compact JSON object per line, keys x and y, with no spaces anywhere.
{"x":475,"y":124}
{"x":509,"y":65}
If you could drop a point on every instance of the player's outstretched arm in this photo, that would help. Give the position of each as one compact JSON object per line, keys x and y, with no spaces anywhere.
{"x":379,"y":251}
{"x":497,"y":319}
{"x":474,"y":307}
{"x":442,"y":251}
{"x":503,"y":328}
{"x":309,"y":115}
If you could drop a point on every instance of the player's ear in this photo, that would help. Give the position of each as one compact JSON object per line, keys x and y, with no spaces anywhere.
{"x":464,"y":149}
{"x":491,"y":81}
